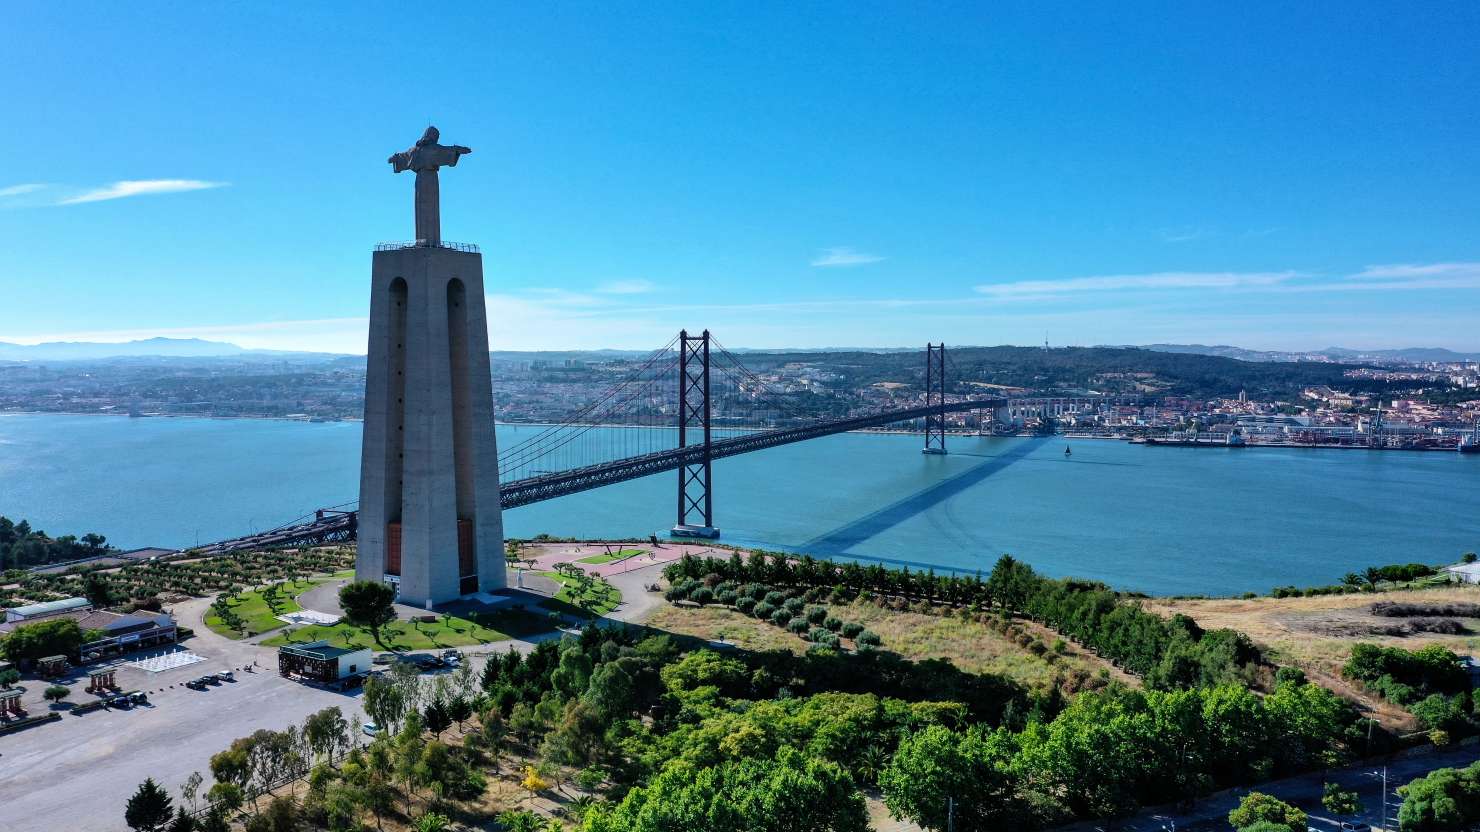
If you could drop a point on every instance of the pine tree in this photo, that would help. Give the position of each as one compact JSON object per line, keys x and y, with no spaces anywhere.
{"x":149,"y":809}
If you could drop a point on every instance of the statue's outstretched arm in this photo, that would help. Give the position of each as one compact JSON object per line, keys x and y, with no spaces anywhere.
{"x":460,"y":149}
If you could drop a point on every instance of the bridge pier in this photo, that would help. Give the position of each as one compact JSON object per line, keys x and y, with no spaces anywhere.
{"x":696,"y":471}
{"x":935,"y":396}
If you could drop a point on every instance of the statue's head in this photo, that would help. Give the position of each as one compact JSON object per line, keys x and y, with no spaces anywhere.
{"x":429,"y":137}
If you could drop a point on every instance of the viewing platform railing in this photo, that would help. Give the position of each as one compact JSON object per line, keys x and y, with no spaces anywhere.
{"x":397,"y":246}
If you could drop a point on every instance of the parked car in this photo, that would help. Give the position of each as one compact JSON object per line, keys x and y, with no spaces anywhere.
{"x":451,"y":653}
{"x":195,"y":684}
{"x":120,"y":702}
{"x":139,"y":697}
{"x":371,"y":729}
{"x":226,"y":676}
{"x":210,"y":679}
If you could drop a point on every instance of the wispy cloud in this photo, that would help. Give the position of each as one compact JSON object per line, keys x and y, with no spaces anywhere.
{"x":844,"y":256}
{"x":140,"y":187}
{"x":1119,"y":282}
{"x":1184,"y":234}
{"x":626,"y":287}
{"x":18,"y":190}
{"x":1414,"y":271}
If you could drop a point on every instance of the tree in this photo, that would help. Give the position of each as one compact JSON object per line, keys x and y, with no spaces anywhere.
{"x":436,"y":718}
{"x":433,"y":822}
{"x":1339,"y":801}
{"x":227,"y":797}
{"x":460,"y":709}
{"x":9,"y":676}
{"x":368,"y":604}
{"x":937,"y":766}
{"x":326,"y":732}
{"x":281,"y":815}
{"x":96,"y":590}
{"x":57,"y":637}
{"x":56,"y":693}
{"x":385,"y":703}
{"x":520,"y":821}
{"x":149,"y":809}
{"x":183,"y":822}
{"x":790,"y":792}
{"x":1445,"y":800}
{"x":533,"y":782}
{"x":1258,"y":807}
{"x":191,"y":789}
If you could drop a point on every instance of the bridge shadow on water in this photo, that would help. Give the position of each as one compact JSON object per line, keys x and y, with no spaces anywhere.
{"x":838,"y":541}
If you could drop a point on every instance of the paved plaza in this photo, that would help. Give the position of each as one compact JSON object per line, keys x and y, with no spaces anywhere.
{"x":168,"y":660}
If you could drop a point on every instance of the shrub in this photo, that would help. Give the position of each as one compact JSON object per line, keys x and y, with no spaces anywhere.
{"x":816,"y":615}
{"x":852,"y":629}
{"x":755,"y":591}
{"x":818,"y":634}
{"x":794,"y":605}
{"x":701,"y":596}
{"x":775,"y":599}
{"x":832,"y":622}
{"x":1289,"y":674}
{"x":780,"y":617}
{"x":728,"y":597}
{"x":870,"y":638}
{"x":763,"y":610}
{"x":745,"y":604}
{"x":799,"y":626}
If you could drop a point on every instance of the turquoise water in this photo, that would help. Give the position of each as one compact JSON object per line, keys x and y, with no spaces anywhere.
{"x":1162,"y":520}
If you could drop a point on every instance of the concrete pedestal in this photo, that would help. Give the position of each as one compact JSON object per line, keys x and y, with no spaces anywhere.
{"x":429,"y":487}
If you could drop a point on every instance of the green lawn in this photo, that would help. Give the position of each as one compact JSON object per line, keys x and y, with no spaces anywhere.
{"x":257,"y":616}
{"x":600,"y":599}
{"x":450,"y":631}
{"x":597,"y":560}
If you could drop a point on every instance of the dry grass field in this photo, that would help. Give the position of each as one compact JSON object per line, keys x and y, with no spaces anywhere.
{"x":969,"y":645}
{"x":1317,"y":634}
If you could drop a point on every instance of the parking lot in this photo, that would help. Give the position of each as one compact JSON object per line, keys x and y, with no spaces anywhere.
{"x":76,"y":773}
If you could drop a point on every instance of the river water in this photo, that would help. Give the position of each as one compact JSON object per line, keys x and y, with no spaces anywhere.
{"x":1159,"y":520}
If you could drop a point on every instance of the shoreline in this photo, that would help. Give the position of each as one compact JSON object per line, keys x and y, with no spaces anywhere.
{"x":878,"y":431}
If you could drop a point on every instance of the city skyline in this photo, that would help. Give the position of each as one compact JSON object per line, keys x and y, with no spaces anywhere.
{"x":826,"y":177}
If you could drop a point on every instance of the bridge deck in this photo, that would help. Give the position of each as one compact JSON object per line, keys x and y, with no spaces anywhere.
{"x":337,"y":526}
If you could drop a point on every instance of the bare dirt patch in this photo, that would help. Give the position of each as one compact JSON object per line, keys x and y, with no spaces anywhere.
{"x":969,"y":645}
{"x":1317,"y":634}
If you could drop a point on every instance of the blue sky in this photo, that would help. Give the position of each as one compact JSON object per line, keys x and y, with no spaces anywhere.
{"x":785,"y":174}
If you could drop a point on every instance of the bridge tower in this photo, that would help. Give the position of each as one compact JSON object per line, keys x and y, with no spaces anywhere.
{"x":695,"y":496}
{"x":430,"y":518}
{"x":935,"y":396}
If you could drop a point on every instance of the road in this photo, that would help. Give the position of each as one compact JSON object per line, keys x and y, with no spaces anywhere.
{"x":1303,"y":791}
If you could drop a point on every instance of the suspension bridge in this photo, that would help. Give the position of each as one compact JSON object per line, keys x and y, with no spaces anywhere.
{"x":687,"y":404}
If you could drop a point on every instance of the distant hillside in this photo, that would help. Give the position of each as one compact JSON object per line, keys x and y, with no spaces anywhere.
{"x":84,"y":350}
{"x":1110,"y":370}
{"x":1414,"y":355}
{"x":144,"y":348}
